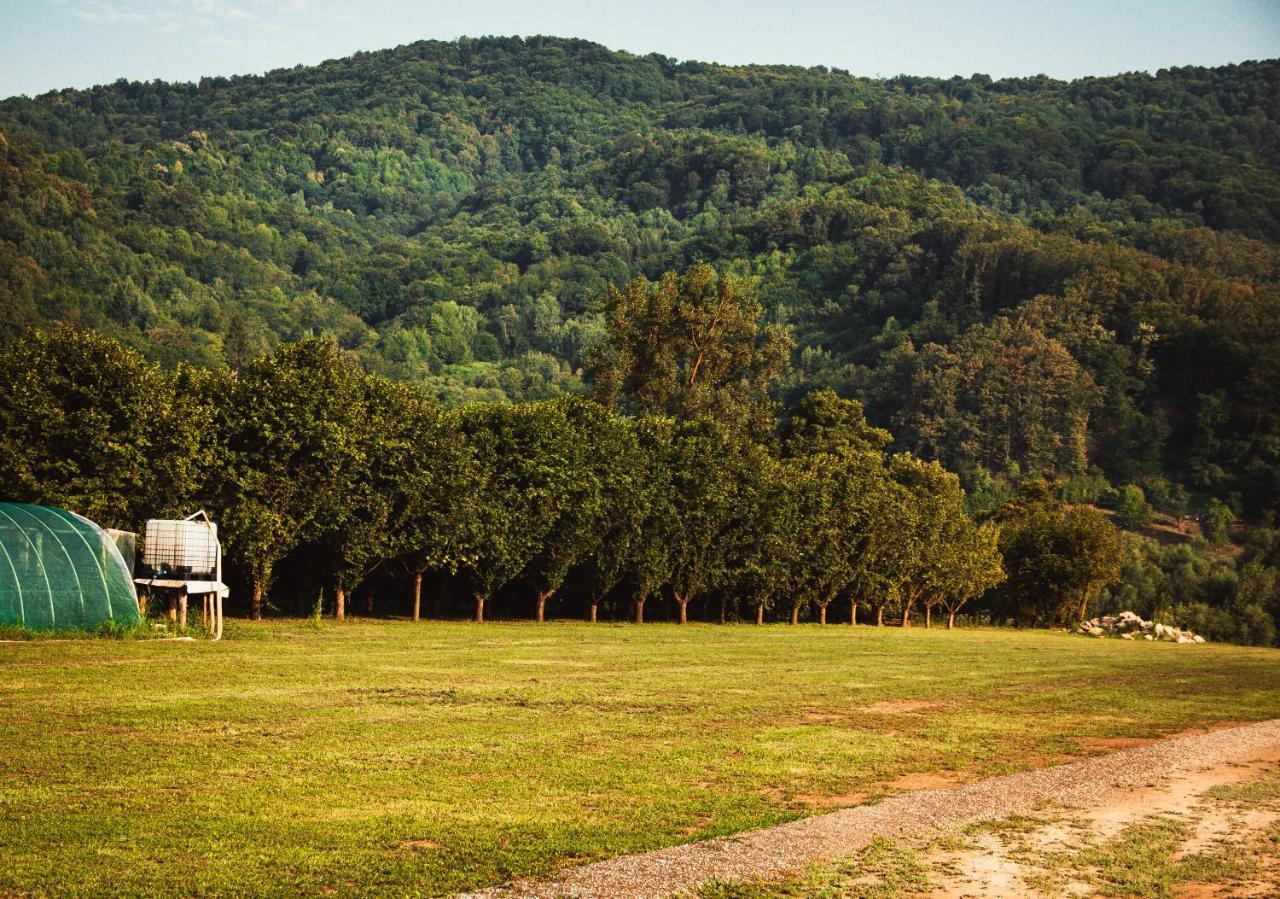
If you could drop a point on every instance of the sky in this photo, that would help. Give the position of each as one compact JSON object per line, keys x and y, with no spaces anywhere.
{"x":50,"y":44}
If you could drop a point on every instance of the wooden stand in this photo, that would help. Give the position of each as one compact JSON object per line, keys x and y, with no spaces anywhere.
{"x":210,"y":611}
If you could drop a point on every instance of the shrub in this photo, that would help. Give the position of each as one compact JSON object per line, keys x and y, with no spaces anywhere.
{"x":1167,"y":497}
{"x":1216,"y":519}
{"x":1132,"y":511}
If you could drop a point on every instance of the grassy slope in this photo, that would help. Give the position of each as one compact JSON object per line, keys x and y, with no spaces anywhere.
{"x":301,"y":759}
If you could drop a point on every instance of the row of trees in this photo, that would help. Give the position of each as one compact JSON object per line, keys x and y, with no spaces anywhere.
{"x":301,"y":453}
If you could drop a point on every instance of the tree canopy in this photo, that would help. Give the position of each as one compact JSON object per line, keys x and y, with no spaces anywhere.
{"x":1015,"y":276}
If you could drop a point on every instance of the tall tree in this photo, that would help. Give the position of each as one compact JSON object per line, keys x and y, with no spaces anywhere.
{"x":438,"y":521}
{"x":937,"y":503}
{"x":633,"y":483}
{"x":1058,"y":559}
{"x":1004,"y":396}
{"x":837,"y":464}
{"x":404,"y":492}
{"x":823,"y":422}
{"x":650,"y":551}
{"x":763,"y":572}
{"x":286,"y":453}
{"x":593,"y":451}
{"x":691,"y":346}
{"x":715,"y":475}
{"x":977,"y":567}
{"x":90,"y":425}
{"x":526,"y":477}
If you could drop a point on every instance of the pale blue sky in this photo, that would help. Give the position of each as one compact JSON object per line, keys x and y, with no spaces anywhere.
{"x":46,"y":44}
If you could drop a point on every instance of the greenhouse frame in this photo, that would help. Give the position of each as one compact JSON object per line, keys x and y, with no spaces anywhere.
{"x":60,"y":571}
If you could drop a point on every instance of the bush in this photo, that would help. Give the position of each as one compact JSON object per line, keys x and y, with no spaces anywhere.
{"x":1083,"y":488}
{"x":1247,"y":625}
{"x":1132,"y":511}
{"x":1216,"y":519}
{"x":1169,"y":498}
{"x":1256,"y":628}
{"x":1214,"y":624}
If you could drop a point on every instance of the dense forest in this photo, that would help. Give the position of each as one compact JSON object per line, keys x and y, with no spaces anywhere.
{"x":1053,"y":289}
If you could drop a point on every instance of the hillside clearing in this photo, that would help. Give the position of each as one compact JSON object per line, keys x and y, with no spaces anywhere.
{"x":391,"y":757}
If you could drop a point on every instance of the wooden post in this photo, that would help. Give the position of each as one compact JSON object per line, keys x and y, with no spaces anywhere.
{"x":173,"y":607}
{"x":217,"y":616}
{"x":182,"y":611}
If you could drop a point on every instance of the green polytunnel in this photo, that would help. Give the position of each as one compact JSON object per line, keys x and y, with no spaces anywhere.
{"x":59,"y":570}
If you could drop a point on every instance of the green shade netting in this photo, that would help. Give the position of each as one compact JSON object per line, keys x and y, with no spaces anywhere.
{"x":60,"y":570}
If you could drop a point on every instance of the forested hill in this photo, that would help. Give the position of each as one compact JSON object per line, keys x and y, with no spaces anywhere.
{"x":1016,"y":276}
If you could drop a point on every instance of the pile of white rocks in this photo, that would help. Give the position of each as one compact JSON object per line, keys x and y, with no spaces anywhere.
{"x":1129,"y":626}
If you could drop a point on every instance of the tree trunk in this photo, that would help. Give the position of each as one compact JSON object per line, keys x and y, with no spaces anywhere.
{"x":340,"y":604}
{"x":951,"y":621}
{"x":906,"y":617}
{"x":724,"y":609}
{"x":879,"y":616}
{"x":368,"y":603}
{"x":255,"y":610}
{"x":542,"y":606}
{"x":684,"y":610}
{"x":760,"y":613}
{"x":479,"y":609}
{"x":593,"y":613}
{"x":928,"y":616}
{"x":795,"y":614}
{"x":417,"y":597}
{"x":639,"y":611}
{"x":822,"y":614}
{"x":853,"y":611}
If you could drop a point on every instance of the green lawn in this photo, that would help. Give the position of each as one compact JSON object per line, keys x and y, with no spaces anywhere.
{"x":392,"y":757}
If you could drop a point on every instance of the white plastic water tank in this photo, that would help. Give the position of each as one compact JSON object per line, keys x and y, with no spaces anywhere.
{"x":187,"y":548}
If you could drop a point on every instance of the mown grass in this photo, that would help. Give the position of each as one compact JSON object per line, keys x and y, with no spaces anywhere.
{"x":401,"y":758}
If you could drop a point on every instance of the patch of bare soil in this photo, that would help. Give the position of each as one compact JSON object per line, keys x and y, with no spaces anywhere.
{"x":898,"y":707}
{"x":1202,"y":891}
{"x":419,"y":844}
{"x":1011,"y":861}
{"x":926,"y":780}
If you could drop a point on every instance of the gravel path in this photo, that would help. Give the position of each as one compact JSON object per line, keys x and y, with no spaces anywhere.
{"x":791,"y":848}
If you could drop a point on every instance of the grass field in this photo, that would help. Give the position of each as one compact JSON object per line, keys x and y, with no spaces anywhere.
{"x":392,"y":757}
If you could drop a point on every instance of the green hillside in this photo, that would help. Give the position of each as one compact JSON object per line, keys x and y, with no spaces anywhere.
{"x":1017,"y":277}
